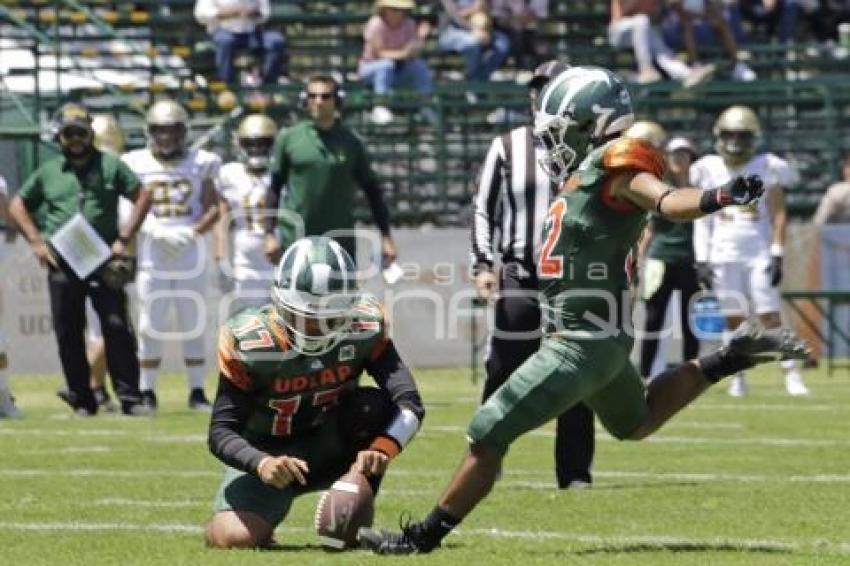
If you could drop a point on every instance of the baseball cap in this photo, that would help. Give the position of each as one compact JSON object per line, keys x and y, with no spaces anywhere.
{"x":678,"y":143}
{"x":546,"y":72}
{"x":72,"y":114}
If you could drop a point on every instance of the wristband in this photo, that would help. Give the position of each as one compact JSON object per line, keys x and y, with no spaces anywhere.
{"x":776,"y":250}
{"x":710,"y":201}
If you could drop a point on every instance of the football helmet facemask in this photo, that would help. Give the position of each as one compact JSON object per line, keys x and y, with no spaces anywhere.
{"x":167,"y":125}
{"x":254,"y":140}
{"x":579,"y":110}
{"x":737,"y":133}
{"x":314,"y":292}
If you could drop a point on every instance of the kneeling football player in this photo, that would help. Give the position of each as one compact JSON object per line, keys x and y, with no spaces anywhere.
{"x":289,"y":416}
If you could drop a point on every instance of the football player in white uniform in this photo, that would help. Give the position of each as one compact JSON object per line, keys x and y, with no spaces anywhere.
{"x":738,"y":251}
{"x":7,"y":402}
{"x":171,"y":252}
{"x":240,"y":235}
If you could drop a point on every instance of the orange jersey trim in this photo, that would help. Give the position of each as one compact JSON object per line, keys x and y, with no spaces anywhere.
{"x":628,"y":154}
{"x":229,"y":363}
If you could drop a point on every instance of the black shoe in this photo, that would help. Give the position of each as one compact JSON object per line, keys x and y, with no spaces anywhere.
{"x":757,"y":344}
{"x":104,"y":401}
{"x":149,"y":399}
{"x":79,"y":409}
{"x":408,"y":541}
{"x":199,"y":402}
{"x":140,"y":409}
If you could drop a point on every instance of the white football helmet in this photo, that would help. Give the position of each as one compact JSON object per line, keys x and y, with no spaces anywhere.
{"x":254,"y":140}
{"x":314,"y":292}
{"x":167,"y":126}
{"x":737,"y":133}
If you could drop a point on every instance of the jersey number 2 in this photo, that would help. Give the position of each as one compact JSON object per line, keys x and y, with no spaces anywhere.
{"x":552,"y":266}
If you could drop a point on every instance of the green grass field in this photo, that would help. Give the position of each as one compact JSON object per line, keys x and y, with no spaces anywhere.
{"x":763,"y":480}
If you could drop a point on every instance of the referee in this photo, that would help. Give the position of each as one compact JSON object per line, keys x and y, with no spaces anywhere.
{"x":512,"y":200}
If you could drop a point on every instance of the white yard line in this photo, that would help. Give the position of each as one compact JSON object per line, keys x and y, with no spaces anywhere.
{"x":663,"y":542}
{"x":436,"y":430}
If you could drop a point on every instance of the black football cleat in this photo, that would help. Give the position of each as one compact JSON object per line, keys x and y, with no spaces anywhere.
{"x":757,"y":344}
{"x":408,"y":541}
{"x":199,"y":402}
{"x":149,"y":399}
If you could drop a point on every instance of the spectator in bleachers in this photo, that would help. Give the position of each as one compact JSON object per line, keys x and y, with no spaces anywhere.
{"x":633,"y":25}
{"x":773,"y":18}
{"x":238,"y":24}
{"x":466,"y":27}
{"x":688,"y":12}
{"x":779,"y":17}
{"x":519,"y":20}
{"x":392,"y":56}
{"x":834,"y":207}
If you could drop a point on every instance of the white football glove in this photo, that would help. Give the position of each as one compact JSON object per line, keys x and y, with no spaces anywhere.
{"x":173,"y":239}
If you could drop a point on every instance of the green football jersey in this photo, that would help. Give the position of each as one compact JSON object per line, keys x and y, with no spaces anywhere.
{"x":589,"y":243}
{"x":294,"y":393}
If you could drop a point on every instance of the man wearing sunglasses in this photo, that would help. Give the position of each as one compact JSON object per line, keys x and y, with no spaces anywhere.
{"x":83,"y":181}
{"x":319,"y":161}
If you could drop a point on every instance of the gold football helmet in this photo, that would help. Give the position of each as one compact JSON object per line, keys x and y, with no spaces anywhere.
{"x":254,"y":139}
{"x":167,"y":126}
{"x":107,"y":133}
{"x":737,"y":132}
{"x":648,"y":131}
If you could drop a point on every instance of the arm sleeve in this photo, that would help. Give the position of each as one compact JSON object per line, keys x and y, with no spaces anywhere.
{"x":392,"y":375}
{"x":365,"y":175}
{"x":230,"y":413}
{"x":279,"y":170}
{"x":484,"y":205}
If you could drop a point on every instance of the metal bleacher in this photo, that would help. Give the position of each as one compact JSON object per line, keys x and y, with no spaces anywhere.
{"x":122,"y":56}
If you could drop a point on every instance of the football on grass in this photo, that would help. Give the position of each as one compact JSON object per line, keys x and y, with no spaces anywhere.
{"x":348,"y":505}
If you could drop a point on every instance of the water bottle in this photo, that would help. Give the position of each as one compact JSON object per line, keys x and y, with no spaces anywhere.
{"x":707,"y":321}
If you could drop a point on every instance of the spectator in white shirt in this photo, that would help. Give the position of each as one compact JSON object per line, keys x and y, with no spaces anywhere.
{"x":238,"y":24}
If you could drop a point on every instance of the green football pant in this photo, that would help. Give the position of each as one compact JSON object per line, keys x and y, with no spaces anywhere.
{"x":559,"y":375}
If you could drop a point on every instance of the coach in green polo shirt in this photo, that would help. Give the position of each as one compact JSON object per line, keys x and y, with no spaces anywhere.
{"x":320,"y":161}
{"x":84,"y":180}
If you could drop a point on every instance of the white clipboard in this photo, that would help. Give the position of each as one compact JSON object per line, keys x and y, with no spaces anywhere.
{"x":80,"y":246}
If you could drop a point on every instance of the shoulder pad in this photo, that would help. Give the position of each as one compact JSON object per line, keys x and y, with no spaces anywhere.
{"x":627,"y":153}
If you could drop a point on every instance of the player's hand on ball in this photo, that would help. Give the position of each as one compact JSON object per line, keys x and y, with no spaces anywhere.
{"x":743,"y":190}
{"x":280,"y":471}
{"x":371,"y":462}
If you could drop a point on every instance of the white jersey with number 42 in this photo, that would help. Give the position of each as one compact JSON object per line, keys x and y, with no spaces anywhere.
{"x":737,"y":233}
{"x":175,"y":185}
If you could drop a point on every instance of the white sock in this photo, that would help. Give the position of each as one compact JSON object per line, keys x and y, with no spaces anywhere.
{"x":147,"y":379}
{"x":196,"y":376}
{"x":790,"y":366}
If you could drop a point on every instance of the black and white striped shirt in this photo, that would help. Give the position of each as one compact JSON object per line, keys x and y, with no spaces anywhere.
{"x":513,"y":196}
